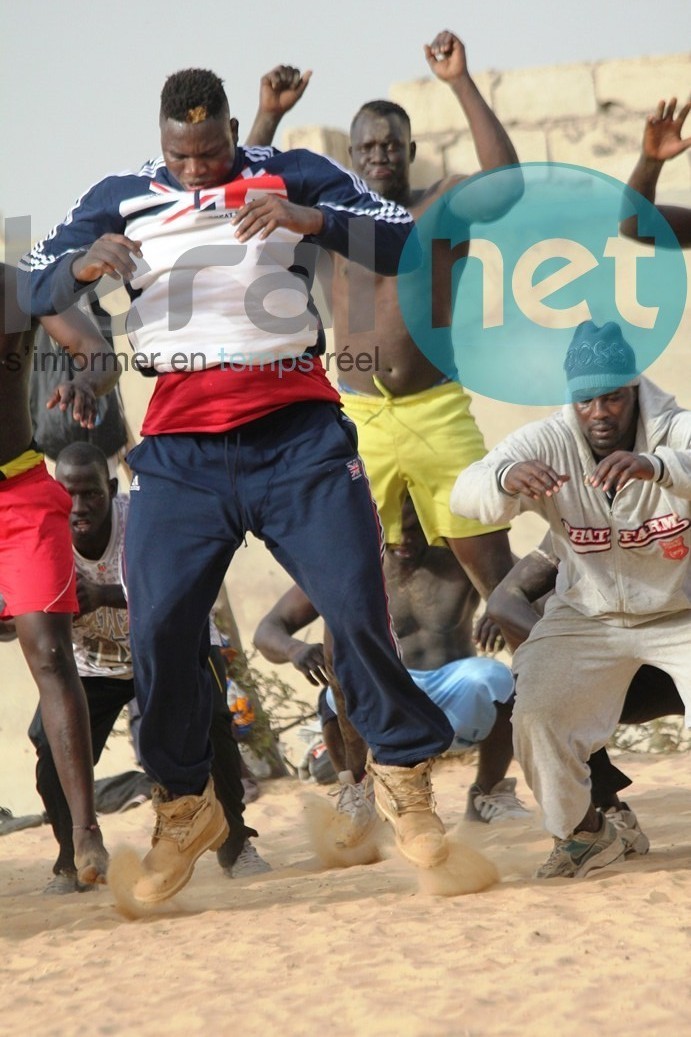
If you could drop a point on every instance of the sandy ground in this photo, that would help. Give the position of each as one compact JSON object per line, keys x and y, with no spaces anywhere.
{"x":305,"y":950}
{"x":361,"y":951}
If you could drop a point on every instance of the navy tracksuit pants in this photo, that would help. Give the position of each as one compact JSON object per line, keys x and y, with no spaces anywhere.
{"x":295,"y":481}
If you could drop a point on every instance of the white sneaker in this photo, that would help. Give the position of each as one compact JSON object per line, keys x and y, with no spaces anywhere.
{"x":626,"y":823}
{"x":499,"y":804}
{"x":248,"y":862}
{"x":356,"y":806}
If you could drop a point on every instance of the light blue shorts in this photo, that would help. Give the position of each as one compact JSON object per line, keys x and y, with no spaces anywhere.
{"x":466,"y":691}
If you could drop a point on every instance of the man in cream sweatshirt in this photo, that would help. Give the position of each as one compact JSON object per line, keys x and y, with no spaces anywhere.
{"x":611,"y":474}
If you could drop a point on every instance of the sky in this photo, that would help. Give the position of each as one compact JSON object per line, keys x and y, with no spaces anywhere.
{"x":80,"y":81}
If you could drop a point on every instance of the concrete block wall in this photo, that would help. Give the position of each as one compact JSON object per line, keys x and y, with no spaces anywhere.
{"x":590,"y":114}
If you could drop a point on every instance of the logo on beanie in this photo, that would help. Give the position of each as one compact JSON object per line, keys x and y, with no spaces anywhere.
{"x":597,"y":361}
{"x":508,"y":264}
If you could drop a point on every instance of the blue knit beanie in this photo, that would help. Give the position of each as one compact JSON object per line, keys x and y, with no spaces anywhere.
{"x":598,"y":361}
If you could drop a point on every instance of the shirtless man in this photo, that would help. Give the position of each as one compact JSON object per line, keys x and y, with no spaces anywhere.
{"x":37,"y":579}
{"x":414,"y":425}
{"x":432,"y":605}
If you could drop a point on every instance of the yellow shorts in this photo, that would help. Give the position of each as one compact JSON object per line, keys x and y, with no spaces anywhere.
{"x":418,"y":444}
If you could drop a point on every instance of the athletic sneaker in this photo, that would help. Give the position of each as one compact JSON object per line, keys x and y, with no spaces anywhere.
{"x":185,"y":828}
{"x":499,"y":804}
{"x":66,"y":882}
{"x":356,"y":806}
{"x":403,"y":796}
{"x":626,"y":823}
{"x":583,"y":852}
{"x":248,"y":862}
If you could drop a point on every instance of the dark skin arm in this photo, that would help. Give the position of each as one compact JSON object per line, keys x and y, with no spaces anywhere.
{"x":265,"y":214}
{"x":618,"y":468}
{"x":662,"y":141}
{"x":92,"y":596}
{"x":446,"y":58}
{"x":485,"y":559}
{"x":534,"y":479}
{"x":279,"y":91}
{"x":282,"y":87}
{"x":516,"y":603}
{"x":98,"y":370}
{"x":274,"y":636}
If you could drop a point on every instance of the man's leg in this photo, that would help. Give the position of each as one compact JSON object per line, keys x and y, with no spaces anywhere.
{"x":227,"y":776}
{"x":182,"y":530}
{"x":476,"y":694}
{"x":572,"y":676}
{"x":105,"y":699}
{"x":319,"y":521}
{"x":652,"y":694}
{"x":495,"y":752}
{"x":46,"y":641}
{"x":355,"y":801}
{"x":354,"y":745}
{"x":331,"y":733}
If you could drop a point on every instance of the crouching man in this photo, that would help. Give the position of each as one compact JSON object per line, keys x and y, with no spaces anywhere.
{"x":611,"y":474}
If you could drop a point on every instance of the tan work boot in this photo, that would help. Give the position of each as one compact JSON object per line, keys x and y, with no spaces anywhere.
{"x":403,"y":796}
{"x":185,"y":828}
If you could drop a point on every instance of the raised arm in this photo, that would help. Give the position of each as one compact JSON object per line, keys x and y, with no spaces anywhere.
{"x":447,"y":59}
{"x":279,"y":91}
{"x":274,"y":636}
{"x":662,"y":141}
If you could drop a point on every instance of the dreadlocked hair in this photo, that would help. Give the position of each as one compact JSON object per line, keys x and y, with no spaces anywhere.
{"x":193,"y":95}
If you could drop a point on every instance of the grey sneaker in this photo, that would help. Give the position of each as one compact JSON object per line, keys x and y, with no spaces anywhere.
{"x":499,"y":804}
{"x":248,"y":862}
{"x":403,"y":797}
{"x":626,"y":823}
{"x":582,"y":852}
{"x":185,"y":828}
{"x":356,"y":806}
{"x":66,"y":882}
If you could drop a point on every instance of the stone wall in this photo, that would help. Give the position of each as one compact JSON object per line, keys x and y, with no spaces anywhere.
{"x":588,"y":114}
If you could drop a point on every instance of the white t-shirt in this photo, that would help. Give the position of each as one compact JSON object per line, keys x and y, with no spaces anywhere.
{"x":102,"y":638}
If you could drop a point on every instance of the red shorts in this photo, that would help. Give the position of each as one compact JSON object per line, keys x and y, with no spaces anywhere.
{"x":36,"y":560}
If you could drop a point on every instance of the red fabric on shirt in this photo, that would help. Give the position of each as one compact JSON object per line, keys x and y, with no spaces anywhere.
{"x":220,"y":398}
